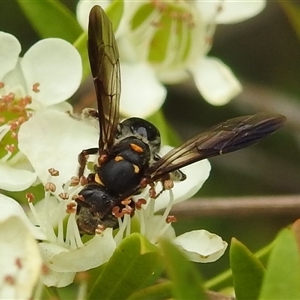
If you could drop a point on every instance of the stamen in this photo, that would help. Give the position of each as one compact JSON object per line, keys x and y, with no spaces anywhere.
{"x":36,"y":87}
{"x":116,"y":212}
{"x":71,"y":208}
{"x":50,"y":187}
{"x":139,"y":203}
{"x":100,"y":228}
{"x":126,"y":201}
{"x":18,"y":263}
{"x":161,"y":225}
{"x":10,"y":148}
{"x":63,"y":196}
{"x":171,"y":219}
{"x":29,"y":197}
{"x":9,"y":279}
{"x":82,"y":279}
{"x":53,"y":172}
{"x":74,"y":181}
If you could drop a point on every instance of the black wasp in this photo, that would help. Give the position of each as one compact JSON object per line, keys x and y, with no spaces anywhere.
{"x":127,"y":152}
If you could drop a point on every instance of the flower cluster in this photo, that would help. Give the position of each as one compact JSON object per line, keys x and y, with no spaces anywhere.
{"x":48,"y":74}
{"x":166,"y":42}
{"x":41,"y":139}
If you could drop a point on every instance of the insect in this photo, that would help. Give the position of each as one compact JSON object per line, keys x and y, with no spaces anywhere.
{"x":128,"y":159}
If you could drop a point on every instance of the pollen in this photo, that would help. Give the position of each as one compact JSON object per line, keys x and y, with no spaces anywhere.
{"x":136,"y":148}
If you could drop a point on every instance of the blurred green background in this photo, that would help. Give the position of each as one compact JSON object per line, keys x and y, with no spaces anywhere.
{"x":264,"y":53}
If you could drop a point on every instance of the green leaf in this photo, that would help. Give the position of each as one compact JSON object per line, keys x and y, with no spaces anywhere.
{"x":247,"y":271}
{"x":132,"y":263}
{"x":50,"y":18}
{"x":292,"y":10}
{"x":282,"y":278}
{"x":81,"y":45}
{"x":154,"y":292}
{"x":186,"y":281}
{"x":115,"y":13}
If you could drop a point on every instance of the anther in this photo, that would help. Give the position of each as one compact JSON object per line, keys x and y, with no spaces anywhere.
{"x":74,"y":181}
{"x":71,"y":208}
{"x":18,"y":263}
{"x":10,"y":148}
{"x":116,"y":212}
{"x":100,"y":228}
{"x":36,"y":87}
{"x":10,"y":280}
{"x":126,"y":201}
{"x":29,"y":197}
{"x":53,"y":172}
{"x":168,"y":184}
{"x":63,"y":196}
{"x":171,"y":219}
{"x":139,"y":203}
{"x":127,"y":210}
{"x":50,"y":187}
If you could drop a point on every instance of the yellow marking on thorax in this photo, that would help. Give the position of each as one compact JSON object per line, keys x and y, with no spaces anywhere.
{"x":136,"y":148}
{"x":118,"y":158}
{"x":136,"y":169}
{"x":98,"y":180}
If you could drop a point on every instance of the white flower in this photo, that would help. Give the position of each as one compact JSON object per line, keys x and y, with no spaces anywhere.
{"x":64,"y":254}
{"x":47,"y":75}
{"x":66,"y":137}
{"x":20,"y":259}
{"x":174,"y":38}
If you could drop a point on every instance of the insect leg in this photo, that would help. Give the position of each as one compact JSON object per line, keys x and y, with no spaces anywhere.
{"x":82,"y":159}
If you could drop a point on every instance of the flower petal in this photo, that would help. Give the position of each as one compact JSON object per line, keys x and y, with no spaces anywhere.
{"x":14,"y":179}
{"x":201,"y":245}
{"x":83,"y":10}
{"x":11,"y":208}
{"x":142,"y":94}
{"x":196,"y":174}
{"x":63,"y":263}
{"x":9,"y":53}
{"x":58,"y":279}
{"x":230,"y":11}
{"x":92,"y":254}
{"x":215,"y":81}
{"x":52,"y":139}
{"x":20,"y":261}
{"x":55,"y":65}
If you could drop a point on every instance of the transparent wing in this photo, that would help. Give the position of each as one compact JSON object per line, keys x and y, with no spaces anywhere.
{"x":104,"y":61}
{"x":229,"y":136}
